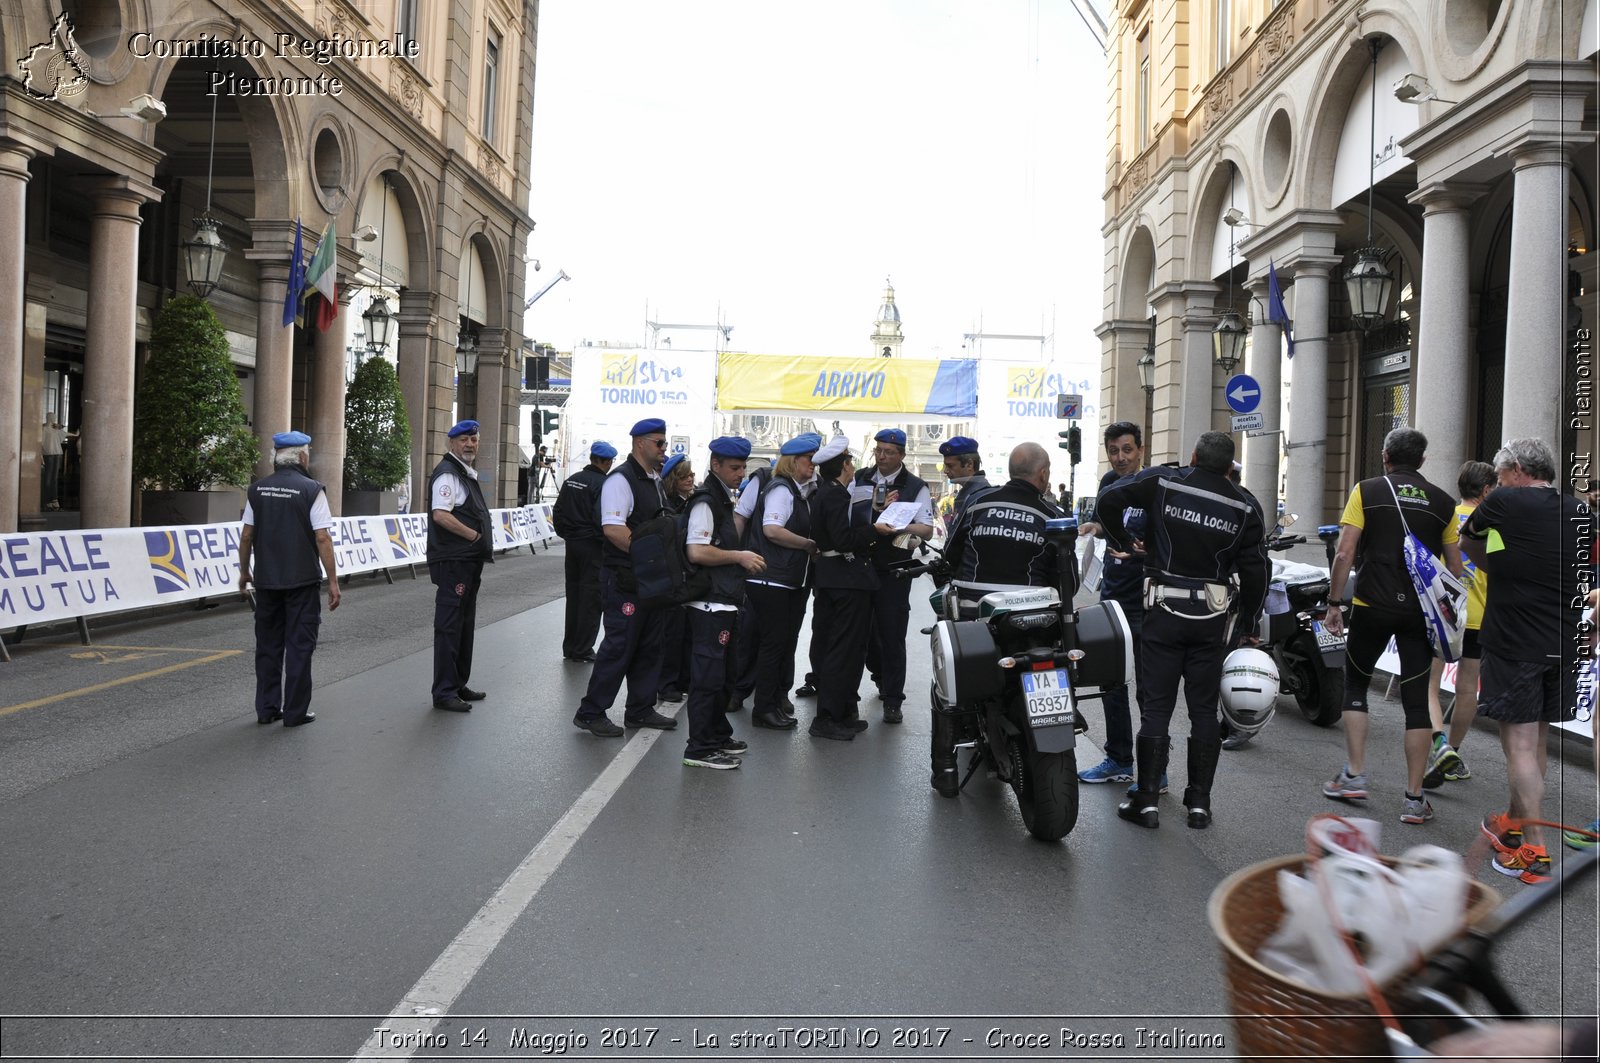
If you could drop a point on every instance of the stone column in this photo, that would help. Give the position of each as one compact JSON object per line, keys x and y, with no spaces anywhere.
{"x":327,"y":407}
{"x":13,"y":209}
{"x":1121,"y":396}
{"x":1307,"y":444}
{"x":107,"y":438}
{"x":274,"y":358}
{"x":490,"y":415}
{"x":414,"y":325}
{"x":1536,"y":299}
{"x":1442,"y":345}
{"x":1261,"y":452}
{"x":1197,"y":375}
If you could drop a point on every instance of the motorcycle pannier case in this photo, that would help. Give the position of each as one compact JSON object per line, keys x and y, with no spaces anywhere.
{"x":964,"y":668}
{"x":1107,"y":645}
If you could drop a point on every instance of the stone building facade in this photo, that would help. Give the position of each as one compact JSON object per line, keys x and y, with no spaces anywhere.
{"x":420,"y":158}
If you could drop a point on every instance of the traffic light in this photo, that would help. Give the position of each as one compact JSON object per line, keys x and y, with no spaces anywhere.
{"x":1072,"y":443}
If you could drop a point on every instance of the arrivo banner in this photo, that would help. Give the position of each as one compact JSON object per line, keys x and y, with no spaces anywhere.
{"x":61,"y":575}
{"x":947,"y":387}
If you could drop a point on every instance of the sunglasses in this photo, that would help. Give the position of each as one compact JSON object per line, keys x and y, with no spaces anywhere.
{"x":662,"y":443}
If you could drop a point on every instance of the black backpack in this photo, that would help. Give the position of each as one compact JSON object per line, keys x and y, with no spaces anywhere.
{"x":661,"y":568}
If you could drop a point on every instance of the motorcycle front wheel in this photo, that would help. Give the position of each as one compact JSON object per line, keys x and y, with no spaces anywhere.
{"x":1046,"y":785}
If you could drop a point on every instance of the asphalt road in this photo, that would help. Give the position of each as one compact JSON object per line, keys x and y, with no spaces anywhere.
{"x":272,"y":893}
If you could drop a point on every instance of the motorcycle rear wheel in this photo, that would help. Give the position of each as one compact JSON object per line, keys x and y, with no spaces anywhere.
{"x":1046,"y":785}
{"x":1321,"y":689}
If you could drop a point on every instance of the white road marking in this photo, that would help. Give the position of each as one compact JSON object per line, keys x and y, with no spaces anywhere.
{"x":428,"y":1003}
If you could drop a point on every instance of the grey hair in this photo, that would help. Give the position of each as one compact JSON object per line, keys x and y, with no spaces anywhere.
{"x":290,"y":455}
{"x":1213,"y":452}
{"x":1405,"y":447}
{"x":1026,"y":461}
{"x":1534,"y":455}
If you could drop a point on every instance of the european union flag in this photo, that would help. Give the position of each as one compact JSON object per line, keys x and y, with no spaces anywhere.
{"x":1275,"y":311}
{"x":297,"y":280}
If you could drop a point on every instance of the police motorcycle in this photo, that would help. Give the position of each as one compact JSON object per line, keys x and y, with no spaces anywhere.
{"x":1310,"y":658}
{"x":1010,"y":667}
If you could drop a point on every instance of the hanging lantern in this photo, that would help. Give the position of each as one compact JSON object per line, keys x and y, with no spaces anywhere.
{"x":1147,"y":368}
{"x":1227,"y":341}
{"x":466,"y":353}
{"x":380,"y":324}
{"x":204,"y":256}
{"x":1368,"y":283}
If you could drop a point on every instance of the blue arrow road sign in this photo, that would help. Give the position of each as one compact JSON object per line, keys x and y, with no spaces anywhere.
{"x":1244,"y":394}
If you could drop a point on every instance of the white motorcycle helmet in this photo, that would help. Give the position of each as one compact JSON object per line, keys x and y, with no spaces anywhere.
{"x":1249,"y":690}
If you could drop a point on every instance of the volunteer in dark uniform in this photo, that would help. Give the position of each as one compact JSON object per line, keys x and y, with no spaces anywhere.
{"x":744,"y":511}
{"x":711,"y":540}
{"x":891,"y":482}
{"x":964,"y":469}
{"x":677,"y":484}
{"x":1121,"y":581}
{"x":576,"y":516}
{"x":1201,"y":531}
{"x":845,"y":580}
{"x":780,"y":532}
{"x":1000,"y":539}
{"x":460,"y":540}
{"x":286,"y":521}
{"x":632,"y":647}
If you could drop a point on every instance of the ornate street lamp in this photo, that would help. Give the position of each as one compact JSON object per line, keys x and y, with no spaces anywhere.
{"x":1227,"y":341}
{"x":205,"y":254}
{"x":1368,"y":280}
{"x":380,"y":324}
{"x":1147,"y":367}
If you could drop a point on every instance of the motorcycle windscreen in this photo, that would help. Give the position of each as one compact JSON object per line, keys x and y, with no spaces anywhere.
{"x":1107,"y":645}
{"x":1047,"y":701}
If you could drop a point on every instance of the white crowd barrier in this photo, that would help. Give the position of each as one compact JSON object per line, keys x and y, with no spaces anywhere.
{"x":65,"y":575}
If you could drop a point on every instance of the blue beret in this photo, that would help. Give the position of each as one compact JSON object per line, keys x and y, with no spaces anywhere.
{"x":730,"y":447}
{"x":958,"y":445}
{"x":804,"y":443}
{"x":290,"y":439}
{"x":892,"y":435}
{"x":463,"y":428}
{"x":603,"y":450}
{"x":647,"y":426}
{"x":670,"y":464}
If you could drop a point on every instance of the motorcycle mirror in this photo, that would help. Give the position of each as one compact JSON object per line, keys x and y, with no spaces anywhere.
{"x":1287,"y":520}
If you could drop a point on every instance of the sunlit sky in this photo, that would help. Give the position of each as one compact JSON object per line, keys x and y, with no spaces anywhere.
{"x":768,"y":165}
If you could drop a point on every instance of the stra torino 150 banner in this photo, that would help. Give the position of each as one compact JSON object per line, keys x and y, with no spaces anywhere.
{"x":51,"y":576}
{"x":947,"y":388}
{"x":1017,"y":403}
{"x":614,"y":390}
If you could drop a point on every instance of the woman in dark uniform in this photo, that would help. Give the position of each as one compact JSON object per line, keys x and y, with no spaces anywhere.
{"x":677,"y":483}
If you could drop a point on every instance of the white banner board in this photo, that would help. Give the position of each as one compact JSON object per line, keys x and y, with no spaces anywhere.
{"x":614,"y":390}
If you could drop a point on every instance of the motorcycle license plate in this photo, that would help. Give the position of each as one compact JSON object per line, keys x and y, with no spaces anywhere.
{"x":1048,"y":698}
{"x":1326,"y":640}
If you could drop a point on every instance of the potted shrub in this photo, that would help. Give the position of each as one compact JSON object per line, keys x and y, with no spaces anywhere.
{"x":377,"y":440}
{"x":192,"y":445}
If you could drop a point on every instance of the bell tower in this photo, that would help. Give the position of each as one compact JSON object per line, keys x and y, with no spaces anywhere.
{"x":886,"y":335}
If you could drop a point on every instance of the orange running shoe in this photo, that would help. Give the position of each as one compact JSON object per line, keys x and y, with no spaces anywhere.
{"x":1530,"y":863}
{"x":1497,"y":827}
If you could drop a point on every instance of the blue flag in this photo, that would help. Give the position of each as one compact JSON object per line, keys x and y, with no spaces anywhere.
{"x":297,"y":279}
{"x":1275,"y":312}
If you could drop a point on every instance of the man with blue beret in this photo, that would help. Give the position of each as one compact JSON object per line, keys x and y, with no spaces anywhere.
{"x":576,"y":516}
{"x":286,"y":522}
{"x":460,"y":540}
{"x":963,"y":468}
{"x":888,"y":482}
{"x":711,"y":541}
{"x":631,"y":649}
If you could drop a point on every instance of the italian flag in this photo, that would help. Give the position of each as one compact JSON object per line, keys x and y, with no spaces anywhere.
{"x":320,"y":276}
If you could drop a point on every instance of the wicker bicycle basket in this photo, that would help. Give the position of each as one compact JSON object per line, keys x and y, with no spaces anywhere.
{"x":1274,"y":1016}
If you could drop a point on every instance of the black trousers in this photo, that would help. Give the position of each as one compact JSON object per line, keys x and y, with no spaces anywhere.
{"x":779,"y":613}
{"x":714,"y":638}
{"x":286,"y":637}
{"x":1174,"y":649}
{"x":455,"y":616}
{"x":583,"y":597}
{"x":1367,"y":633}
{"x":886,"y":652}
{"x":631,"y":650}
{"x":843,"y":618}
{"x":749,"y":656}
{"x":675,"y":643}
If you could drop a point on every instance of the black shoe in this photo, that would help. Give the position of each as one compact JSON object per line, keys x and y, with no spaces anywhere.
{"x":309,"y":717}
{"x":947,"y":782}
{"x":735,"y":703}
{"x":452,"y":705}
{"x":893,"y":714}
{"x":785,"y":706}
{"x":829,"y":729}
{"x":806,"y":691}
{"x":733,"y":747}
{"x":274,"y":718}
{"x":773,"y":721}
{"x":1140,"y":808}
{"x":582,"y":658}
{"x":652,"y":718}
{"x":599,"y":726}
{"x":468,"y":694}
{"x":671,"y":694}
{"x":857,"y":725}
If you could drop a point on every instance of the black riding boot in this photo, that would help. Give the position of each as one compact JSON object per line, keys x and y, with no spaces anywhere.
{"x":1150,"y":759}
{"x":945,"y":777}
{"x":1203,"y":754}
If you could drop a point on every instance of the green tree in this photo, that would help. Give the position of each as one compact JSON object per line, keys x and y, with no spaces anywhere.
{"x":377,"y":440}
{"x":189,"y":429}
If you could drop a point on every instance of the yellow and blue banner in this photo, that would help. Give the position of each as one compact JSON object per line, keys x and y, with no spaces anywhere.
{"x":947,"y":387}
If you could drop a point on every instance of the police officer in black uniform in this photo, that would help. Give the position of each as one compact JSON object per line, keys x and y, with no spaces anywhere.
{"x":891,"y":482}
{"x":1000,"y":540}
{"x":1201,"y":531}
{"x":286,"y":521}
{"x":460,"y":540}
{"x":711,"y":540}
{"x":845,"y":580}
{"x":576,"y":516}
{"x":780,"y":531}
{"x":631,"y":649}
{"x":963,"y":467}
